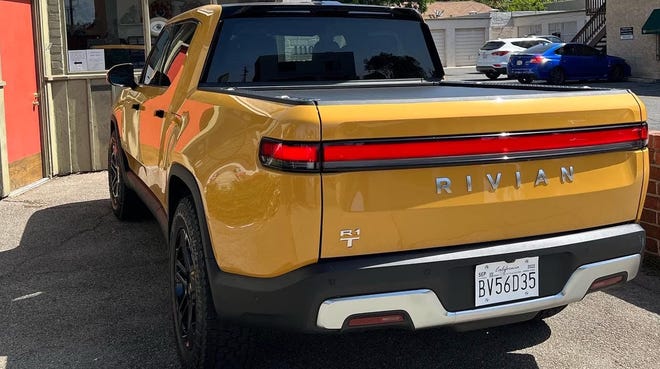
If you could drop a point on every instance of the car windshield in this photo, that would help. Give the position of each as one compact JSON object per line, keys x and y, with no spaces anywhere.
{"x":492,"y":45}
{"x":285,"y":49}
{"x":539,"y":49}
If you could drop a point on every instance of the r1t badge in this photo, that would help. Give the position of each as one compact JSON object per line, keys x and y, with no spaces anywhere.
{"x":349,"y":236}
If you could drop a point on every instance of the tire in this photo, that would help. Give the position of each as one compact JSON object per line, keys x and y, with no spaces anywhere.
{"x":525,"y":79}
{"x":557,"y":76}
{"x":492,"y":74}
{"x":125,"y":203}
{"x":616,"y":74}
{"x":203,"y":339}
{"x":547,"y":313}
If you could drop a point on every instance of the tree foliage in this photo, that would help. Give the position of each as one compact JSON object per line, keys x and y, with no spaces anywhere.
{"x":420,"y":5}
{"x":516,"y":5}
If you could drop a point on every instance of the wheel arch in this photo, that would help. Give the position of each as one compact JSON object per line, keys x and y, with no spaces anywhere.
{"x":181,"y":183}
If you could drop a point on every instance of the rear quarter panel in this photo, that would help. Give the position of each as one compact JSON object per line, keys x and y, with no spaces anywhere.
{"x":261,"y":222}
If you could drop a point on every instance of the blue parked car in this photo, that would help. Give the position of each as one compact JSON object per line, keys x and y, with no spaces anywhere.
{"x":557,"y":63}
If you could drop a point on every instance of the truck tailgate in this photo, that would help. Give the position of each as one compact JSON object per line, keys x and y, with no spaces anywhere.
{"x":449,"y":165}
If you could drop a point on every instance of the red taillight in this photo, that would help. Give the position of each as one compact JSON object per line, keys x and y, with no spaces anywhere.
{"x":290,"y":156}
{"x":503,"y":143}
{"x":538,"y":59}
{"x":499,"y":53}
{"x":376,"y":320}
{"x":412,"y":152}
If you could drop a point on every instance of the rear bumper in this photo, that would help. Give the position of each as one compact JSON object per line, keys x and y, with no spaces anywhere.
{"x":424,"y":309}
{"x":490,"y":68}
{"x":432,"y":288}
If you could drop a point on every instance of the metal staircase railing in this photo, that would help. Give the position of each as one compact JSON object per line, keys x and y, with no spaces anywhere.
{"x":591,"y":6}
{"x":594,"y":30}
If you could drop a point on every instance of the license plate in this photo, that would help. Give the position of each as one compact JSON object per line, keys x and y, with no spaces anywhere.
{"x":519,"y":62}
{"x":502,"y":281}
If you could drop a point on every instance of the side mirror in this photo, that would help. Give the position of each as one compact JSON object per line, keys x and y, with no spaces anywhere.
{"x":122,"y":75}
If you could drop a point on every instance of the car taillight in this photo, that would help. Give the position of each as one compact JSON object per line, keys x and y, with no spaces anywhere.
{"x":538,"y":59}
{"x":290,"y":156}
{"x":411,"y":152}
{"x":499,"y":53}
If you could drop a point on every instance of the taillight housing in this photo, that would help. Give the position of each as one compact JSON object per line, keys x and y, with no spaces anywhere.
{"x":538,"y":59}
{"x":499,"y":53}
{"x":290,"y":156}
{"x":347,"y":155}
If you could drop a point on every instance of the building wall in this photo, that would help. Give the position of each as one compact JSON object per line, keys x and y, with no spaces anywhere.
{"x":450,"y":25}
{"x":651,"y":212}
{"x":641,"y":51}
{"x":4,"y":163}
{"x":544,"y":19}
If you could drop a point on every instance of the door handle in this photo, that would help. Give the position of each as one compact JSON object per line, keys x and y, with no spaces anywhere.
{"x":135,"y":107}
{"x":159,"y":113}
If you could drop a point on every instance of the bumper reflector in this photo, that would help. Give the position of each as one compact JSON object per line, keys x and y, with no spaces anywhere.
{"x":376,"y":320}
{"x":607,"y":281}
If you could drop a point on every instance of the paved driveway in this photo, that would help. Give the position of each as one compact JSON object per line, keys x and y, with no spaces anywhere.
{"x":78,"y":289}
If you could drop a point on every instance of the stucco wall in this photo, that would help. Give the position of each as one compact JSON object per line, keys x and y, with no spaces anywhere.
{"x":640,"y":52}
{"x":545,"y":19}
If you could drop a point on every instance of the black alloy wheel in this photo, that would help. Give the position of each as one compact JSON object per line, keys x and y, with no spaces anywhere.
{"x":616,"y":74}
{"x":557,"y":76}
{"x":204,"y":340}
{"x":492,"y":74}
{"x":123,"y":200}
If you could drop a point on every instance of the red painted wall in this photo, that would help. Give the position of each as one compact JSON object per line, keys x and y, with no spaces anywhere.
{"x":19,"y":72}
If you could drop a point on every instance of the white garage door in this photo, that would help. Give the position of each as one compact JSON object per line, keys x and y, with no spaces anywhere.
{"x":468,"y":42}
{"x":439,"y":40}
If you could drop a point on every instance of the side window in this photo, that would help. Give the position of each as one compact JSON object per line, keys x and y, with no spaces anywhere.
{"x":178,"y":50}
{"x":587,"y":51}
{"x":169,"y":54}
{"x":560,"y":51}
{"x":150,"y":73}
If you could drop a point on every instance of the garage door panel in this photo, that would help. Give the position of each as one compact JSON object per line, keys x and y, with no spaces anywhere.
{"x":468,"y":41}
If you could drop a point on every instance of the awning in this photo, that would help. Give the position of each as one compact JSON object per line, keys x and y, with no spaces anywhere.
{"x":652,"y":24}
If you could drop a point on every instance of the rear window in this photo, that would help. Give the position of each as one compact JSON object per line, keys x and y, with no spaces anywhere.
{"x":526,"y":44}
{"x":539,"y":49}
{"x":492,"y":45}
{"x":285,"y":49}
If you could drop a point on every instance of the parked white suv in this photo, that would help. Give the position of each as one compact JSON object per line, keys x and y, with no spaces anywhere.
{"x":494,"y":55}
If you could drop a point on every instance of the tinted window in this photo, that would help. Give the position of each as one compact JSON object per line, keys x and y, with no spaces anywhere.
{"x":539,"y":49}
{"x":584,"y":50}
{"x":168,"y":54}
{"x":492,"y":45}
{"x":529,"y":43}
{"x":280,"y":49}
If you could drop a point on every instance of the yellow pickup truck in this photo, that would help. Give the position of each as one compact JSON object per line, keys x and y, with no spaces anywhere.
{"x":310,"y":170}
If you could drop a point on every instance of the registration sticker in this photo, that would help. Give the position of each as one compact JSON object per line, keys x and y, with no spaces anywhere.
{"x":502,"y":281}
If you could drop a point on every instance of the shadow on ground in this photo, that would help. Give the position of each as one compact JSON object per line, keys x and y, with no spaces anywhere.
{"x":643,"y":291}
{"x":83,"y":290}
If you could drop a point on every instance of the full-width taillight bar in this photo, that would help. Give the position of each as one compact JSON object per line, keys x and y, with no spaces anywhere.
{"x":427,"y":151}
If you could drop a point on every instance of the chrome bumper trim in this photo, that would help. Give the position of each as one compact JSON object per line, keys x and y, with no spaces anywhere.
{"x":426,"y":310}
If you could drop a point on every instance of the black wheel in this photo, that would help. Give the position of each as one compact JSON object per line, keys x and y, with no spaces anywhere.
{"x":525,"y":79}
{"x":125,"y":203}
{"x":203,"y":340}
{"x":616,"y":74}
{"x":557,"y":76}
{"x":547,"y":313}
{"x":492,"y":74}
